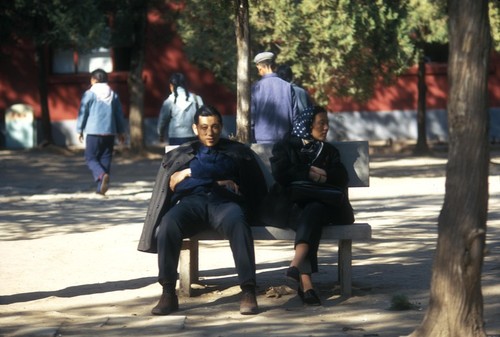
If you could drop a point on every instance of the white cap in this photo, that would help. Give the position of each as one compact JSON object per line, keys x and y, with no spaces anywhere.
{"x":267,"y":55}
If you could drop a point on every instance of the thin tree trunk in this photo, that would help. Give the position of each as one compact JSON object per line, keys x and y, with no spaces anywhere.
{"x":422,"y":147}
{"x":136,"y":84}
{"x":42,"y":90}
{"x":243,"y":73}
{"x":456,"y":302}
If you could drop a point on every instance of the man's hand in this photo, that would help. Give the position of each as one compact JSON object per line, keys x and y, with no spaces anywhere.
{"x":230,"y":185}
{"x":177,"y":177}
{"x":80,"y":137}
{"x":317,"y":174}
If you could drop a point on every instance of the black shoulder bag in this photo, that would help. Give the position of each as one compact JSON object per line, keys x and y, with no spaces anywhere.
{"x":303,"y":191}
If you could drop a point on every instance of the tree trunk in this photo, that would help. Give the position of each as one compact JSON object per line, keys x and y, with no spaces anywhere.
{"x":136,"y":84}
{"x":456,"y":302}
{"x":42,"y":90}
{"x":243,"y":73}
{"x":421,"y":148}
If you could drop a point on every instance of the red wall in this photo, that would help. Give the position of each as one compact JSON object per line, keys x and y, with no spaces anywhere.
{"x":403,"y":94}
{"x":164,"y":55}
{"x":18,"y":75}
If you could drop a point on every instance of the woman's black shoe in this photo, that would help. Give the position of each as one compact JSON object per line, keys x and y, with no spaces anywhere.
{"x":293,"y":273}
{"x":300,"y":292}
{"x":310,"y":297}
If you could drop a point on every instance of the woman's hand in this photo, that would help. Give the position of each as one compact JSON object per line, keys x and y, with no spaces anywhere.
{"x":177,"y":177}
{"x":317,"y":174}
{"x":230,"y":185}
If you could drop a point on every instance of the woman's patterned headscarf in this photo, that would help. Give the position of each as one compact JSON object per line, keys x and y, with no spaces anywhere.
{"x":303,"y":124}
{"x":302,"y":128}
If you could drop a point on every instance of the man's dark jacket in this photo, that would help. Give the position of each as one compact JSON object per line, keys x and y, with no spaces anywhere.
{"x":252,"y":184}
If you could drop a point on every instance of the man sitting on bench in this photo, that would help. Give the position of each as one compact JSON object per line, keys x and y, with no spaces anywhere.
{"x":208,"y":183}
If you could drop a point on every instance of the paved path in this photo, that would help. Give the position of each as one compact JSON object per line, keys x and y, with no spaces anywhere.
{"x":70,"y":267}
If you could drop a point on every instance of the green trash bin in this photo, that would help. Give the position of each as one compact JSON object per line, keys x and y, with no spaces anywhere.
{"x":20,"y":130}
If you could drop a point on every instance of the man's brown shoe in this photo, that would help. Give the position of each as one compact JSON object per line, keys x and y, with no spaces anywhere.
{"x":248,"y":303}
{"x":104,"y":184}
{"x":168,"y":303}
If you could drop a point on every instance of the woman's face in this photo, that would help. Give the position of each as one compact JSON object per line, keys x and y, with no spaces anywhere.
{"x":319,"y":128}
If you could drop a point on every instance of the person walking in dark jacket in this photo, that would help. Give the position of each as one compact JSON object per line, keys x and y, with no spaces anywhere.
{"x":208,"y":183}
{"x":285,"y":72}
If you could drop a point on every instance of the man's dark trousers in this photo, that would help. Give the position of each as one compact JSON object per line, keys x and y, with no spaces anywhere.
{"x":98,"y":154}
{"x":198,"y":212}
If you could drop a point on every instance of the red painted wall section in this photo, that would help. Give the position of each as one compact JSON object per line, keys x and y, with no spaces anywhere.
{"x":18,"y":75}
{"x":403,"y":94}
{"x":19,"y":84}
{"x":65,"y":92}
{"x":494,"y":81}
{"x":164,"y":55}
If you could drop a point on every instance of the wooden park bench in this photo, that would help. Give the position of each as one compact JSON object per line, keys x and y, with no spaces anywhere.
{"x":355,"y":157}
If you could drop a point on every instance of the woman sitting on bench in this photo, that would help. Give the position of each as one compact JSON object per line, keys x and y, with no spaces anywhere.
{"x":305,"y":158}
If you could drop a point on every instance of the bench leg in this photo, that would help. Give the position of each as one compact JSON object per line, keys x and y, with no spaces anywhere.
{"x":345,"y":267}
{"x":188,"y":267}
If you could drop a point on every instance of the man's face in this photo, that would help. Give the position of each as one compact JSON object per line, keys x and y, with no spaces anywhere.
{"x":259,"y":70}
{"x":208,"y":130}
{"x":263,"y":69}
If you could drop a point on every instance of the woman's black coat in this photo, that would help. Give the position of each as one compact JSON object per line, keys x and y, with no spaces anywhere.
{"x":288,"y":164}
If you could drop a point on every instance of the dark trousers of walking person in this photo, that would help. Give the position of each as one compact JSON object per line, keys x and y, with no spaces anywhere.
{"x":195,"y":213}
{"x":98,"y":154}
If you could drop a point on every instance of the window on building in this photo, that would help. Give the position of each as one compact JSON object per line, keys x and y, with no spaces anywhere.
{"x":72,"y":62}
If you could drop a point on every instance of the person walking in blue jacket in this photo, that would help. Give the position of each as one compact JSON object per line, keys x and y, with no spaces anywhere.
{"x":101,"y":118}
{"x":177,"y":111}
{"x":274,"y":106}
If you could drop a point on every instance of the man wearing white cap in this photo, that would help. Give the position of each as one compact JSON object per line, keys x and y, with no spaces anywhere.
{"x":274,"y":106}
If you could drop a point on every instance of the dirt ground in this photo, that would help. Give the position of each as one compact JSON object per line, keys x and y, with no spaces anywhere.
{"x":70,"y":266}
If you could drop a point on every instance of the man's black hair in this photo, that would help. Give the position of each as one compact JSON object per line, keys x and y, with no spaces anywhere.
{"x":285,"y":72}
{"x":99,"y":75}
{"x":205,"y":111}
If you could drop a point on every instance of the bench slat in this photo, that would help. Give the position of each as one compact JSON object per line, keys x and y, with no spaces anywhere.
{"x":356,"y":231}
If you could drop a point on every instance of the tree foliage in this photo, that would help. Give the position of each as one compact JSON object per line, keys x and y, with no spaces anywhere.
{"x":54,"y":22}
{"x":207,"y":29}
{"x":494,"y":16}
{"x":334,"y":47}
{"x":426,"y":24}
{"x":338,"y":47}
